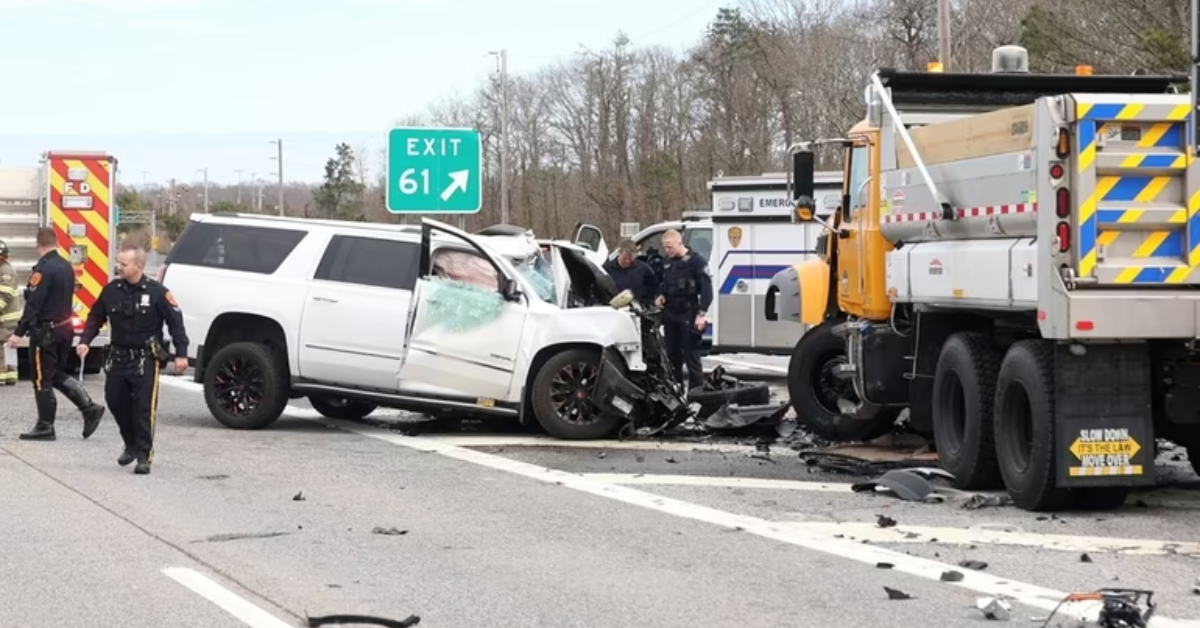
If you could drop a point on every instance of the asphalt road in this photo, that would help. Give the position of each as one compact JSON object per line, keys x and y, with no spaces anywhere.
{"x":312,"y":517}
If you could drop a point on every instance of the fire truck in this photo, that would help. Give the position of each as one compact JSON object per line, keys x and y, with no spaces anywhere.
{"x":1016,"y":261}
{"x":74,"y":192}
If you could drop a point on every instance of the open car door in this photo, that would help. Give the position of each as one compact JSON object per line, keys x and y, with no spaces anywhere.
{"x":590,"y":237}
{"x":466,"y":319}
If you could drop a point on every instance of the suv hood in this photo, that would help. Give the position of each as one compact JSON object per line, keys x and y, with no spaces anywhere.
{"x":588,"y":280}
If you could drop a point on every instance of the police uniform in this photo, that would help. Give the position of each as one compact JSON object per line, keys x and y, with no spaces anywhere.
{"x":11,"y":305}
{"x":686,"y":289}
{"x":136,"y":313}
{"x":46,"y":321}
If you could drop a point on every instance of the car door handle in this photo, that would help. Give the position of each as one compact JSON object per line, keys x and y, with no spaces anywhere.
{"x":324,"y":300}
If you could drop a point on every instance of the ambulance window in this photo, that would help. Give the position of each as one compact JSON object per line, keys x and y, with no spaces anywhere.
{"x":858,"y":174}
{"x":652,"y":241}
{"x":699,"y":240}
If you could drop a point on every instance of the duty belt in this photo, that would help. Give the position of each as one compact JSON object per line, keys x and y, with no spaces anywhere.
{"x":54,"y":325}
{"x":126,"y":354}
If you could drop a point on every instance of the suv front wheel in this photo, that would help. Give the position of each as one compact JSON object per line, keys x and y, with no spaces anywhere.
{"x":245,"y":386}
{"x":563,"y":401}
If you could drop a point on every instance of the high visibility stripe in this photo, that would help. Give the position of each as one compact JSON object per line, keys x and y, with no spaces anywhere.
{"x":95,"y":224}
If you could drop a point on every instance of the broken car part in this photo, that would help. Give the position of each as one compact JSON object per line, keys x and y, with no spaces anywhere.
{"x":1120,"y":608}
{"x":341,"y":620}
{"x":994,"y":608}
{"x":906,"y":485}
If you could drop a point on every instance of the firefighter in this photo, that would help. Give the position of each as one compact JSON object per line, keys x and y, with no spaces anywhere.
{"x":136,"y":307}
{"x":11,"y":305}
{"x":46,"y":319}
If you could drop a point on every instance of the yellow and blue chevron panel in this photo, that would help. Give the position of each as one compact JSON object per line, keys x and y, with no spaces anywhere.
{"x":1136,"y":189}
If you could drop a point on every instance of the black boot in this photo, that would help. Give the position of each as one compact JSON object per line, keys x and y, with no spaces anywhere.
{"x":142,"y":468}
{"x":125,"y":458}
{"x":92,"y":411}
{"x":47,"y":407}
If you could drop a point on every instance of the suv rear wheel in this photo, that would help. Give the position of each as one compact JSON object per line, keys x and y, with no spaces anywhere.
{"x":245,"y":386}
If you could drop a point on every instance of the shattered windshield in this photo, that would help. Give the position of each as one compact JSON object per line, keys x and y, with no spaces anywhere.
{"x":540,"y":275}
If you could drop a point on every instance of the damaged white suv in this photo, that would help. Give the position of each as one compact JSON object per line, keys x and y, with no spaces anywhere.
{"x":431,"y":319}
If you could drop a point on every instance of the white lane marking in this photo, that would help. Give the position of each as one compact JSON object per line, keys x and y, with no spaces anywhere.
{"x":718,"y":482}
{"x":500,"y":440}
{"x":1028,"y":594}
{"x":987,"y":584}
{"x":227,"y":600}
{"x":749,"y":366}
{"x":979,"y":535}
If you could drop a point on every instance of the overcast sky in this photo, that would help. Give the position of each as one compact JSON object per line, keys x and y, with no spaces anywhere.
{"x":173,"y":86}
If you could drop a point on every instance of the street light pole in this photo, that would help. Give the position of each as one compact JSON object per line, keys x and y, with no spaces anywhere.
{"x":279,"y":144}
{"x":205,"y":171}
{"x":502,"y":66}
{"x":943,"y":24}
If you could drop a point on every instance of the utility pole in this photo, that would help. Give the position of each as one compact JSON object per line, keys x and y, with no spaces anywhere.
{"x":205,"y":171}
{"x":1195,"y":73}
{"x":279,"y":145}
{"x":502,"y":67}
{"x":943,"y":24}
{"x":239,"y":187}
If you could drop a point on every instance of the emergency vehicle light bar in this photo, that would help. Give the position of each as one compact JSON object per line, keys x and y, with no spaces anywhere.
{"x":1011,"y":89}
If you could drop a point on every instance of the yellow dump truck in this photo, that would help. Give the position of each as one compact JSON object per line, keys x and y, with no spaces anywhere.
{"x":1017,"y":261}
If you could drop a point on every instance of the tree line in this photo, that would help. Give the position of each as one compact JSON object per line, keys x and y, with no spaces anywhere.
{"x":631,"y":133}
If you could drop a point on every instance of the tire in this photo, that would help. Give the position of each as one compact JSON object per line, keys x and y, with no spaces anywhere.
{"x":584,"y":364}
{"x":268,"y":376}
{"x":964,"y":389}
{"x":1024,"y":427}
{"x":815,"y":412}
{"x":341,"y":408}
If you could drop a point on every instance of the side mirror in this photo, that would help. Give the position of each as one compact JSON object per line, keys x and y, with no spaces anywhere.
{"x":804,"y":179}
{"x":511,"y":291}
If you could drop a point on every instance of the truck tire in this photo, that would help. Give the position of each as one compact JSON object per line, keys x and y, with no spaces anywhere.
{"x":561,"y":397}
{"x":813,"y":389}
{"x":1024,"y":427}
{"x":964,"y":389}
{"x":245,"y":386}
{"x":341,"y":408}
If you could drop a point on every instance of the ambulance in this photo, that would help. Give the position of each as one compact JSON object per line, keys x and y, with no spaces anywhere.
{"x":748,"y":236}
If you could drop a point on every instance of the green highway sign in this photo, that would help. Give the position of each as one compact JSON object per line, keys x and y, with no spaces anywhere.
{"x":434,"y":170}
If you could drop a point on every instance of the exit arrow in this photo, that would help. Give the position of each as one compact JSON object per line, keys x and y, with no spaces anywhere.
{"x":458,"y":183}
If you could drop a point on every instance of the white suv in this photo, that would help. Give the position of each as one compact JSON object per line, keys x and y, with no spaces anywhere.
{"x":427,"y":318}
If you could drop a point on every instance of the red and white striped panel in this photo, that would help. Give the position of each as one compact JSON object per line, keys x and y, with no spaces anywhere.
{"x":964,"y":212}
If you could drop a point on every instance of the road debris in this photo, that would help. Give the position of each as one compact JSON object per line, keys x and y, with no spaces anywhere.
{"x":897,"y":594}
{"x":1120,"y":608}
{"x":977,"y":565}
{"x":389,"y":531}
{"x":237,"y":536}
{"x":219,"y":476}
{"x":299,"y":497}
{"x":994,"y":608}
{"x":980,"y":500}
{"x":907,"y":484}
{"x":952,"y":576}
{"x":884,"y":521}
{"x":341,"y":620}
{"x":1084,"y":558}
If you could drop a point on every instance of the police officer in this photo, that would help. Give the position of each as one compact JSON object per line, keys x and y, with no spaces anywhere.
{"x":136,"y":307}
{"x":11,"y":305}
{"x":47,"y":321}
{"x":685,"y":293}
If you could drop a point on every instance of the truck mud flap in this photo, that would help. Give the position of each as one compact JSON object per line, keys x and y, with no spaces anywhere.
{"x":1104,"y":427}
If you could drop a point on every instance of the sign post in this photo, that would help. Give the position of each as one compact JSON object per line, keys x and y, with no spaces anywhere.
{"x":434,"y":170}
